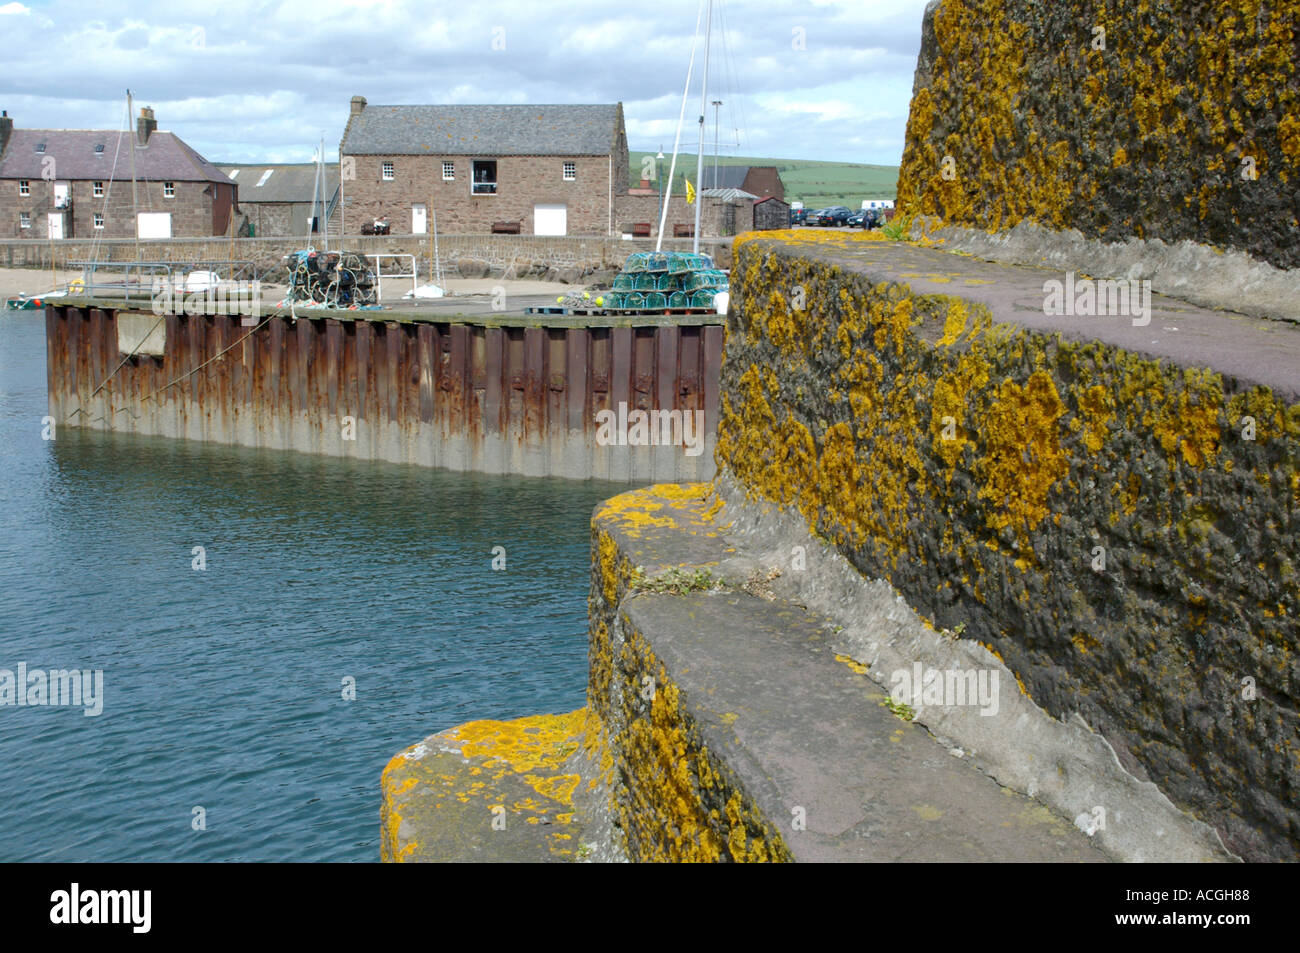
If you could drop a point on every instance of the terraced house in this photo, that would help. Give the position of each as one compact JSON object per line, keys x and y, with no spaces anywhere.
{"x":76,"y":183}
{"x":538,"y":170}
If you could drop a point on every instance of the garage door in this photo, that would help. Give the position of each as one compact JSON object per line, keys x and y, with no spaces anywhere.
{"x":155,"y":225}
{"x":550,"y":219}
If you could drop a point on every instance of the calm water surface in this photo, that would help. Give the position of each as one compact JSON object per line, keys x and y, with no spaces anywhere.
{"x":223,"y":687}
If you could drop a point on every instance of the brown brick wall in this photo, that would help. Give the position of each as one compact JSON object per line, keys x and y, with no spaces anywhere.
{"x":522,"y":181}
{"x":192,"y":208}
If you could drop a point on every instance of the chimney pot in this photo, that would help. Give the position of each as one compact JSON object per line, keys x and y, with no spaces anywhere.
{"x":358,"y":104}
{"x":145,"y":126}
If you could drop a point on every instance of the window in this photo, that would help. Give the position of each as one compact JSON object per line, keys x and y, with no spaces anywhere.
{"x":388,"y":172}
{"x":169,"y":190}
{"x":24,"y":219}
{"x":99,"y":220}
{"x":40,"y":148}
{"x":570,"y":172}
{"x":24,"y":187}
{"x":98,"y":188}
{"x":99,"y":148}
{"x":262,"y":181}
{"x":448,"y":171}
{"x":485,"y":177}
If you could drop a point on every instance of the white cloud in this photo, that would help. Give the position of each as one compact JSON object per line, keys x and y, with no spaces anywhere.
{"x":13,"y":9}
{"x":251,"y":81}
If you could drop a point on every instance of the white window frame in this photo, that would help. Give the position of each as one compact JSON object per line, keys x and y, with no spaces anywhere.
{"x":449,"y":172}
{"x":98,"y":189}
{"x":24,"y":219}
{"x":24,"y":187}
{"x":169,"y":190}
{"x":570,"y":172}
{"x":388,"y":172}
{"x":99,"y":220}
{"x":485,"y":187}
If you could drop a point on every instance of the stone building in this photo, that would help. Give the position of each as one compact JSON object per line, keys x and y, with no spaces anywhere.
{"x":760,"y":181}
{"x":275,"y":200}
{"x":545,"y":170}
{"x":76,"y":183}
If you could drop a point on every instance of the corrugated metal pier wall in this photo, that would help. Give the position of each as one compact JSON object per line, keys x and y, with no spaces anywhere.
{"x":462,"y":394}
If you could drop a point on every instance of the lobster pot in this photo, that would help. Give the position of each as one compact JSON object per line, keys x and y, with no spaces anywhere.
{"x":646,"y":282}
{"x":635,"y":263}
{"x":623,"y":281}
{"x":706,"y":279}
{"x":669,"y":282}
{"x":679,"y":299}
{"x":679,"y":263}
{"x":646,"y":261}
{"x":634,"y":299}
{"x":656,"y":299}
{"x":614,"y":300}
{"x":702,"y":299}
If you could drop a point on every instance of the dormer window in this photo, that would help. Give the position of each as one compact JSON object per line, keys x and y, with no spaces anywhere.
{"x":40,"y":148}
{"x":99,"y":148}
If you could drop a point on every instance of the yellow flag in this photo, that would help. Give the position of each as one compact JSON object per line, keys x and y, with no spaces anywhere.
{"x":690,"y":193}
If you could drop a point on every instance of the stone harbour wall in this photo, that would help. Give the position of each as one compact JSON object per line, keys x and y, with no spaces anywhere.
{"x":1118,"y":118}
{"x":1121,"y":531}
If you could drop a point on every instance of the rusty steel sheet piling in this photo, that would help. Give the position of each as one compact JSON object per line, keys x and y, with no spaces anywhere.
{"x":504,"y":395}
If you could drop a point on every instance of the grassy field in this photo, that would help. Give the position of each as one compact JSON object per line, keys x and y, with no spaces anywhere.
{"x":816,"y":184}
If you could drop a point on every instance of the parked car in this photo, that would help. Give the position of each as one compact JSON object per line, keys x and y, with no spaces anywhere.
{"x":836,"y":215}
{"x":798,"y":216}
{"x":865,"y":218}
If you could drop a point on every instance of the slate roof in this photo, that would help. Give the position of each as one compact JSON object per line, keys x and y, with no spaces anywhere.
{"x":165,"y":158}
{"x":288,"y":182}
{"x":729,"y":176}
{"x":483,"y":130}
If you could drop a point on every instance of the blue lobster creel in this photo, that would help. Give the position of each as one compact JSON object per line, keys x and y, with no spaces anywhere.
{"x":702,"y":299}
{"x":679,"y":299}
{"x":614,"y":301}
{"x":634,"y":299}
{"x":646,"y":282}
{"x":656,"y":299}
{"x":623,"y":281}
{"x":669,"y":282}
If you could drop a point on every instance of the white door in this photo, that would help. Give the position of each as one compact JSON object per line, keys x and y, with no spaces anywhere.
{"x":154,"y":225}
{"x":55,"y":222}
{"x":419,"y":220}
{"x":550,"y":219}
{"x":60,"y":194}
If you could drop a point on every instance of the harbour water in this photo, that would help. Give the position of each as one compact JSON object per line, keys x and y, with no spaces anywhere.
{"x":227,"y":670}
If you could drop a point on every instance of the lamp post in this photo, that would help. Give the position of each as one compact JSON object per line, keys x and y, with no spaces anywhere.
{"x":659,"y":178}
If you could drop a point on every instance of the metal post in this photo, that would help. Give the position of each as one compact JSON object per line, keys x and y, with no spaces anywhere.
{"x":699,"y":159}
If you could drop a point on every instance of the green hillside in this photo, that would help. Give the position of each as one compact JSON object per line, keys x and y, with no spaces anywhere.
{"x":816,"y":184}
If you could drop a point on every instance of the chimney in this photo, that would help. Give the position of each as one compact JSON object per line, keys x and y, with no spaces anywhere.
{"x":6,"y":127}
{"x":145,"y":126}
{"x":645,"y":183}
{"x":358,"y":104}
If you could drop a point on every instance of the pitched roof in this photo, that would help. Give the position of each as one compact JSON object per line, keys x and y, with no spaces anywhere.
{"x":287,"y":182}
{"x":483,"y":130}
{"x":727,"y":195}
{"x":165,"y":158}
{"x":728,"y":177}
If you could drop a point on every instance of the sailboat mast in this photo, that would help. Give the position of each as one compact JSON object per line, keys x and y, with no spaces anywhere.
{"x":135,"y":214}
{"x":324,"y":191}
{"x":699,"y":158}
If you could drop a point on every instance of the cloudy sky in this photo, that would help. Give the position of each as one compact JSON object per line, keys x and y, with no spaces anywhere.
{"x":244,"y":81}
